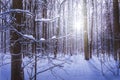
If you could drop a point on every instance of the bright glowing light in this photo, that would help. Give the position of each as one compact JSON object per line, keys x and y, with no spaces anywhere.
{"x":78,"y":19}
{"x":78,"y":26}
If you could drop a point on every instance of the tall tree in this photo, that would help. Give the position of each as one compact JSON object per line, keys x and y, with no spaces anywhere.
{"x":108,"y":24}
{"x":16,"y":61}
{"x":116,"y":27}
{"x":44,"y":24}
{"x":91,"y":31}
{"x":86,"y":49}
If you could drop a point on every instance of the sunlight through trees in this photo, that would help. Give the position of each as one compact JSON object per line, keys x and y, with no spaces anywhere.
{"x":39,"y":29}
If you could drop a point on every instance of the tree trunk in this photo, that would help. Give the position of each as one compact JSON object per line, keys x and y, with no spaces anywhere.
{"x":116,"y":26}
{"x":44,"y":24}
{"x":16,"y":61}
{"x":91,"y":35}
{"x":85,"y":30}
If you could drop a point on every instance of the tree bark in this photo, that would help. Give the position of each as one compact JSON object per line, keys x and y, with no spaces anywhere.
{"x":92,"y":22}
{"x":44,"y":24}
{"x":86,"y":51}
{"x":116,"y":27}
{"x":16,"y":61}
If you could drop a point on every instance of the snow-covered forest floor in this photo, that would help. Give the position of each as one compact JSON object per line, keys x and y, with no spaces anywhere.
{"x":63,"y":68}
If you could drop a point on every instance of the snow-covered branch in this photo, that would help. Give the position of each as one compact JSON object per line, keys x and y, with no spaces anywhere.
{"x":29,"y":36}
{"x":46,"y":19}
{"x":16,"y":11}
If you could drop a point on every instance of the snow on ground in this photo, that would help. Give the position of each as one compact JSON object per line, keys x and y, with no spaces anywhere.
{"x":78,"y":69}
{"x":5,"y":70}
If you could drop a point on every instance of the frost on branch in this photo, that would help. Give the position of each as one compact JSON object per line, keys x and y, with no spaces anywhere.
{"x":29,"y":36}
{"x":54,"y":37}
{"x":46,"y":19}
{"x":42,"y":39}
{"x":43,"y":20}
{"x":16,"y":11}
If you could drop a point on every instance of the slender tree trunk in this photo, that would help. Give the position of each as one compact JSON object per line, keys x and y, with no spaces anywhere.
{"x":44,"y":24}
{"x":85,"y":30}
{"x":91,"y":42}
{"x":34,"y":27}
{"x":108,"y":27}
{"x":116,"y":26}
{"x":96,"y":26}
{"x":16,"y":61}
{"x":56,"y":42}
{"x":64,"y":39}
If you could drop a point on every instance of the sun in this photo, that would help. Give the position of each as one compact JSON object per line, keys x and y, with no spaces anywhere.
{"x":78,"y":26}
{"x":78,"y":20}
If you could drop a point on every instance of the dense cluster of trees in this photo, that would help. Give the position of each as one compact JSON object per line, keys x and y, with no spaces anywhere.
{"x":29,"y":27}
